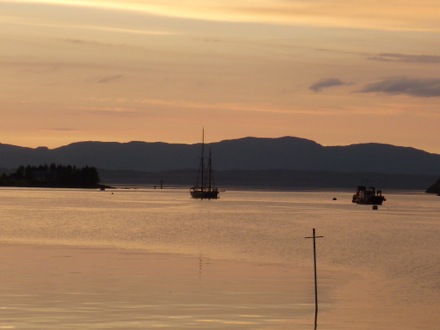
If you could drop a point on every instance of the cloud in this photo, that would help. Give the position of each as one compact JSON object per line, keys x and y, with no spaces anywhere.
{"x":109,"y":78}
{"x":326,"y":83}
{"x":372,"y":14}
{"x":107,"y":111}
{"x":393,"y":57}
{"x":105,"y":79}
{"x":413,"y":87}
{"x":59,"y":129}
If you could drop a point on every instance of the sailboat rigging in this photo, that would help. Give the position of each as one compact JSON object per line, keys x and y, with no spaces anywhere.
{"x":205,"y":187}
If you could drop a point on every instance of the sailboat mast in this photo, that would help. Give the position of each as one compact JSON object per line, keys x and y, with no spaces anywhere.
{"x":209,"y":172}
{"x":202,"y":162}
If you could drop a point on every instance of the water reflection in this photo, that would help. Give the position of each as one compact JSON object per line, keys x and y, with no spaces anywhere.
{"x":163,"y":259}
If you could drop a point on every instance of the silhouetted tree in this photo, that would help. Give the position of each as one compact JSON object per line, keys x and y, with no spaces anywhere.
{"x":52,"y":176}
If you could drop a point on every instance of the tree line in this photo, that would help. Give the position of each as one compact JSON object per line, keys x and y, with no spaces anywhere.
{"x":53,"y":175}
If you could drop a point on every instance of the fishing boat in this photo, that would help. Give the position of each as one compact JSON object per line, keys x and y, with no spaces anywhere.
{"x":205,"y":187}
{"x":368,"y":195}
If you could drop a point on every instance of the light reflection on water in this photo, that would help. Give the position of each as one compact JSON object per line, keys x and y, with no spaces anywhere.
{"x":395,"y":250}
{"x":254,"y":226}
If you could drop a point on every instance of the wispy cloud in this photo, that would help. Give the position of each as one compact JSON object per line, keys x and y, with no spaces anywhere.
{"x":105,"y":79}
{"x":127,"y":30}
{"x":369,"y":14}
{"x":95,"y":28}
{"x":392,"y":57}
{"x":107,"y":111}
{"x":223,"y":106}
{"x":407,"y":86}
{"x":326,"y":83}
{"x":59,"y":129}
{"x":193,"y":105}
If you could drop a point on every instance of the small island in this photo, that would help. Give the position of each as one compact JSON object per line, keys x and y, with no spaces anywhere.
{"x":52,"y":176}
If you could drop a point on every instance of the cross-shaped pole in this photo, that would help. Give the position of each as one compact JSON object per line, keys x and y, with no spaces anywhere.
{"x":316,"y":279}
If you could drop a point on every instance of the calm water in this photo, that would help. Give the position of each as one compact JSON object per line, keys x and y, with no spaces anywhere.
{"x":378,"y":269}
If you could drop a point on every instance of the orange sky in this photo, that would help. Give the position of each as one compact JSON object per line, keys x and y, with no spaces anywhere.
{"x":336,"y":72}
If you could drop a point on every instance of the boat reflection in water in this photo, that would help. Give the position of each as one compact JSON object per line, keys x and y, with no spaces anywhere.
{"x":369,"y":196}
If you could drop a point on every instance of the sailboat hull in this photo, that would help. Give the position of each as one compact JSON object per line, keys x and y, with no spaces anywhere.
{"x":204,"y":194}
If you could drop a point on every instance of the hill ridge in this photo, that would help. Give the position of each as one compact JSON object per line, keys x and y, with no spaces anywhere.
{"x":248,"y":153}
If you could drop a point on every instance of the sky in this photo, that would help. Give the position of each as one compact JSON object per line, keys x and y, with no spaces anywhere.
{"x":336,"y":72}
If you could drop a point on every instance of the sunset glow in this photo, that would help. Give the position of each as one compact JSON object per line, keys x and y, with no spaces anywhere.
{"x":338,"y":72}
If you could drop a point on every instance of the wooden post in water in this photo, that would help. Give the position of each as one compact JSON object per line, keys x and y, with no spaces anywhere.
{"x":316,"y":277}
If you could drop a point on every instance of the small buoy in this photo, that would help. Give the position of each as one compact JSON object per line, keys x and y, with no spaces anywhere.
{"x":375,"y":207}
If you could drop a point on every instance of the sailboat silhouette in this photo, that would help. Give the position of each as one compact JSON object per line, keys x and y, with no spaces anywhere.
{"x":205,"y":187}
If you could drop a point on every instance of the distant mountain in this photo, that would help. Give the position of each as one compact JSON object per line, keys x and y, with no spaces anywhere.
{"x":256,"y":154}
